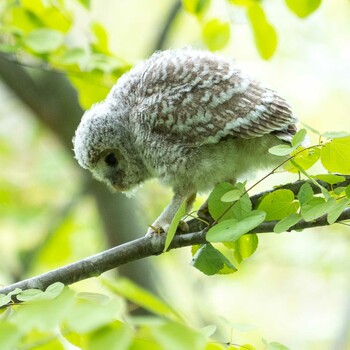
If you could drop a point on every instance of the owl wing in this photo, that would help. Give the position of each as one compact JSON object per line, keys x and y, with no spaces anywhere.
{"x":199,"y":98}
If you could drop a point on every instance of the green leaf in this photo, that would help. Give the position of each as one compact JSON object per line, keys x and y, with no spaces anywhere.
{"x":278,"y":204}
{"x":287,"y":222}
{"x":281,"y":150}
{"x":299,"y":137}
{"x":216,"y":34}
{"x":337,"y":209}
{"x":9,"y":335}
{"x":316,"y":207}
{"x":85,"y":3}
{"x":329,"y":178}
{"x":76,"y":56}
{"x":305,"y":193}
{"x":244,"y":247}
{"x":210,"y":261}
{"x":5,"y":299}
{"x":141,"y":297}
{"x":217,"y":207}
{"x":196,"y":7}
{"x":232,"y":229}
{"x":101,"y":38}
{"x":231,"y":196}
{"x":305,"y":158}
{"x":308,"y":127}
{"x":335,"y":134}
{"x":347,"y":191}
{"x":265,"y":35}
{"x":335,"y":155}
{"x":44,"y":40}
{"x":115,"y":336}
{"x":303,"y":8}
{"x":276,"y":346}
{"x":175,"y":336}
{"x":174,"y":224}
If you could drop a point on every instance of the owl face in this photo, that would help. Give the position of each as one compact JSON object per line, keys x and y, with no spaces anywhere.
{"x":103,"y":144}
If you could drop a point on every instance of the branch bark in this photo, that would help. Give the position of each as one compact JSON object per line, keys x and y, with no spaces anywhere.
{"x":138,"y":249}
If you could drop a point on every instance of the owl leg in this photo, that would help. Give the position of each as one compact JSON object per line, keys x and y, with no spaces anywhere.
{"x":162,"y":224}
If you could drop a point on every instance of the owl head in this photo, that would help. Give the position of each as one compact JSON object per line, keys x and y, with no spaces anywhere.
{"x":103,"y":144}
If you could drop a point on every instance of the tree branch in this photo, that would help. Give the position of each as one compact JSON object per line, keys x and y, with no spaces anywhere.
{"x":137,"y":249}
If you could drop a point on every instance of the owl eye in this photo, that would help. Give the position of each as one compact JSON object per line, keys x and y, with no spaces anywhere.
{"x":111,"y":160}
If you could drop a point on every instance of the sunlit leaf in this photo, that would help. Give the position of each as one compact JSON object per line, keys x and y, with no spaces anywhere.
{"x":196,"y":7}
{"x":175,"y":336}
{"x":287,"y":222}
{"x":335,"y":134}
{"x":281,"y":150}
{"x":303,"y":8}
{"x":304,"y":157}
{"x":244,"y":247}
{"x":232,"y":229}
{"x":141,"y":297}
{"x":101,"y":38}
{"x":329,"y":178}
{"x":9,"y":335}
{"x":335,"y":155}
{"x":337,"y":209}
{"x":278,"y":204}
{"x":44,"y":40}
{"x":85,"y":3}
{"x":4,"y":299}
{"x":265,"y":35}
{"x":210,"y":261}
{"x":216,"y":34}
{"x":299,"y":137}
{"x":115,"y":336}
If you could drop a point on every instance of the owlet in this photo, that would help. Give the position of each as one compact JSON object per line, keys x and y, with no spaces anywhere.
{"x":187,"y":117}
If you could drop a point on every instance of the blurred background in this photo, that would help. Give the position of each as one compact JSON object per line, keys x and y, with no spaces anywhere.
{"x":295,"y":289}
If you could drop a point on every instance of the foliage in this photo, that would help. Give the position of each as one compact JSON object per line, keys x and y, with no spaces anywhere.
{"x":234,"y":215}
{"x":60,"y":318}
{"x":42,"y":33}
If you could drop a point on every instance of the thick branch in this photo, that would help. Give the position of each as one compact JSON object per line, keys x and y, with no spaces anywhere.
{"x":135,"y":250}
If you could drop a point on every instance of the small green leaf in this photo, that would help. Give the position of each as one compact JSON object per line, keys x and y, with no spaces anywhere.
{"x":210,"y":261}
{"x":329,"y":178}
{"x":335,"y":134}
{"x":347,"y":191}
{"x":305,"y":158}
{"x":196,"y":7}
{"x":44,"y":40}
{"x":85,"y":3}
{"x":276,"y":346}
{"x":335,"y":155}
{"x":101,"y":38}
{"x":31,"y":294}
{"x":281,"y":150}
{"x":231,"y":196}
{"x":244,"y":247}
{"x":287,"y":222}
{"x":337,"y":209}
{"x":232,"y":229}
{"x":4,"y":299}
{"x":174,"y":224}
{"x":217,"y":207}
{"x":303,"y":8}
{"x":316,"y":207}
{"x":141,"y":297}
{"x":305,"y":193}
{"x":299,"y":137}
{"x":278,"y":204}
{"x":264,"y":33}
{"x":216,"y":34}
{"x":308,"y":127}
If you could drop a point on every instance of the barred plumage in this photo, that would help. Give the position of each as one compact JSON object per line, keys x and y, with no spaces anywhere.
{"x":188,"y":117}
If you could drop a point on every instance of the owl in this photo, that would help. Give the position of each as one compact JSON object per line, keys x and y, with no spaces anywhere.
{"x":188,"y":117}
